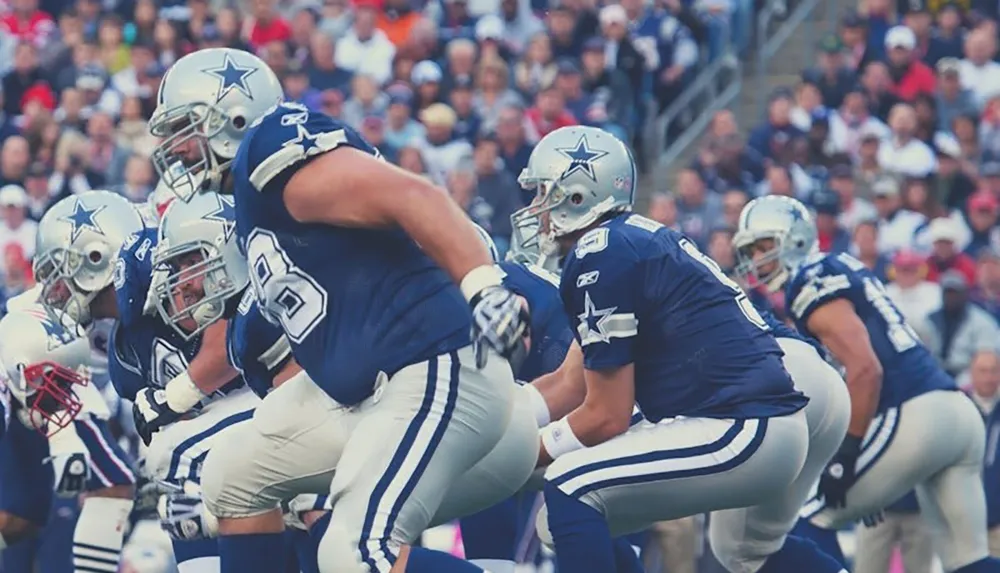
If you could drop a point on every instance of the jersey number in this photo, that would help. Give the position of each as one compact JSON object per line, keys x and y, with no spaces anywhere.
{"x":287,"y":296}
{"x":901,"y":335}
{"x":744,"y":303}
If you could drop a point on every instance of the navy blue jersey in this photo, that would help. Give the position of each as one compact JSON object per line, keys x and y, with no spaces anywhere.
{"x":142,"y":350}
{"x":353,"y":302}
{"x":782,"y":330}
{"x":551,"y":336}
{"x":255,"y":347}
{"x":908,"y":368}
{"x":639,"y":293}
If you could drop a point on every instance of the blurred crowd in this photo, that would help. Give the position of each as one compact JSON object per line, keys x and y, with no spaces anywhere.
{"x":457,"y":90}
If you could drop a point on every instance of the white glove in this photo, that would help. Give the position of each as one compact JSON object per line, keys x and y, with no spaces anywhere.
{"x":183,"y":514}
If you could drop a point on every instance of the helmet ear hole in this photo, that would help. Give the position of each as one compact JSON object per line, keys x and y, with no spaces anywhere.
{"x":95,"y":257}
{"x":576,"y":198}
{"x":239,"y":122}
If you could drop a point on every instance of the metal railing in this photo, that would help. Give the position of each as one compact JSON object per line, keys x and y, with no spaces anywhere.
{"x":720,"y":84}
{"x":771,"y":37}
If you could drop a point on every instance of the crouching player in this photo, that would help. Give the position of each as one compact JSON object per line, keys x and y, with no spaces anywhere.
{"x":59,"y":443}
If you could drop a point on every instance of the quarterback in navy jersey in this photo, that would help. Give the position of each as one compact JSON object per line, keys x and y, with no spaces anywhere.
{"x":331,"y":234}
{"x":909,"y":427}
{"x":659,"y":325}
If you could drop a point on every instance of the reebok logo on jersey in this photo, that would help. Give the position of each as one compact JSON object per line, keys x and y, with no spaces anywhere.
{"x":587,"y":279}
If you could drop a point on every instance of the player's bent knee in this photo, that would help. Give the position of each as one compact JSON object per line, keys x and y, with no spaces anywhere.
{"x":226,"y":497}
{"x":732,"y":553}
{"x":339,"y":551}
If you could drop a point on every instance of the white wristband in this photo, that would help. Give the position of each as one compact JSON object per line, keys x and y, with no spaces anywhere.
{"x":559,"y":439}
{"x":182,"y":393}
{"x":479,"y":278}
{"x":538,"y":405}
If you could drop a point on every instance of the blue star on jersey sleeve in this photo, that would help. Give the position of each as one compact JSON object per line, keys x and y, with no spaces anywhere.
{"x":600,"y":299}
{"x":285,"y":139}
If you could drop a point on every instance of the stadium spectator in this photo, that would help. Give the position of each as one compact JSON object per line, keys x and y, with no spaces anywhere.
{"x":16,"y":228}
{"x":663,"y":210}
{"x":864,"y":247}
{"x":697,"y":209}
{"x":914,"y":295}
{"x":912,"y":76}
{"x":959,"y":329}
{"x":832,"y":237}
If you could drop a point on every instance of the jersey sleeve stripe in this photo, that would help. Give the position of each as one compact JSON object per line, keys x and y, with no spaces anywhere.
{"x":621,"y":325}
{"x":276,"y":354}
{"x":817,"y":291}
{"x":293,"y":152}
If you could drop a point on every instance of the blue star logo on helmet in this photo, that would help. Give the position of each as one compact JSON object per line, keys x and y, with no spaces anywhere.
{"x":582,"y":158}
{"x":225,"y":215}
{"x":82,"y":218}
{"x":232,"y":76}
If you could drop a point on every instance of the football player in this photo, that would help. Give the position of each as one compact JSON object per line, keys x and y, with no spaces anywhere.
{"x":360,"y":302}
{"x":94,"y":262}
{"x":660,"y":325}
{"x":59,"y":443}
{"x":909,"y":426}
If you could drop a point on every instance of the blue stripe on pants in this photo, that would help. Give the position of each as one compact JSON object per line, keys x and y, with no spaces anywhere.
{"x":403,"y":451}
{"x":655,"y":456}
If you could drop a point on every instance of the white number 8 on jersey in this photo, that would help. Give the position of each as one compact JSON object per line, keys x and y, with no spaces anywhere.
{"x":287,"y":295}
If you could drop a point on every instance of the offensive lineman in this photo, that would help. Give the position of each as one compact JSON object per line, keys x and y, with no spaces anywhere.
{"x":93,"y":262}
{"x":380,"y":327}
{"x":909,"y":426}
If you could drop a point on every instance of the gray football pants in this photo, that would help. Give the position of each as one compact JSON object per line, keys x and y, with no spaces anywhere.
{"x":933,"y":443}
{"x":743,"y":538}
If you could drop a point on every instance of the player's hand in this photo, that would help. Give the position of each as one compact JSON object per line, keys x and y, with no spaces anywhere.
{"x":873,"y":519}
{"x":72,"y":471}
{"x":501,"y":322}
{"x":183,"y":514}
{"x":151,"y":413}
{"x":838,"y":477}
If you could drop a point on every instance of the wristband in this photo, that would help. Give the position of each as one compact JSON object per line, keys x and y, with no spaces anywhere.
{"x":479,"y":278}
{"x":559,"y":439}
{"x":538,"y":405}
{"x":182,"y":393}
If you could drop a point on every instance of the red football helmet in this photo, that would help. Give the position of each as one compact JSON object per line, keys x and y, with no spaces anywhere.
{"x":51,"y":401}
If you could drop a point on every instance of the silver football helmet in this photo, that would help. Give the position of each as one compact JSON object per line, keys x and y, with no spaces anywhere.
{"x":789,"y":227}
{"x":206,"y":103}
{"x":579,"y":174}
{"x":43,"y":360}
{"x":76,"y":249}
{"x":199,"y":262}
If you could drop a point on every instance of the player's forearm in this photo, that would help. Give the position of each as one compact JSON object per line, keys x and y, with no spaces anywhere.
{"x":561,"y":393}
{"x":210,"y":368}
{"x":864,"y":383}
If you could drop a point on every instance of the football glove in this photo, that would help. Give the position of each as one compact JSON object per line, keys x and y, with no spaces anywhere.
{"x":183,"y":514}
{"x":838,"y":477}
{"x":499,"y":321}
{"x":151,"y":413}
{"x":72,"y":471}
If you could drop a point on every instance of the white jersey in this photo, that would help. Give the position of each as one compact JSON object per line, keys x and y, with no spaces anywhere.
{"x":90,"y":395}
{"x":26,"y":299}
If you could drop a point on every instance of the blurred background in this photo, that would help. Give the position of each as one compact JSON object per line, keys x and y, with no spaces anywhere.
{"x":882,"y":115}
